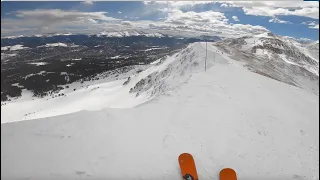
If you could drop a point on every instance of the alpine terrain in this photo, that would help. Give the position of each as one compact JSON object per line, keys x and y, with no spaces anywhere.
{"x":250,"y":103}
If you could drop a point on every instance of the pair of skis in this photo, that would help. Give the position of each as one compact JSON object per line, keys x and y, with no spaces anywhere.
{"x":189,"y":171}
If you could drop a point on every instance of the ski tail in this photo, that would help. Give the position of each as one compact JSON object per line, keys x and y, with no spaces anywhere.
{"x":228,"y":174}
{"x":188,"y":167}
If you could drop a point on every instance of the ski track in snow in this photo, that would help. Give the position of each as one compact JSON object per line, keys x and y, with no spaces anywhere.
{"x":226,"y":117}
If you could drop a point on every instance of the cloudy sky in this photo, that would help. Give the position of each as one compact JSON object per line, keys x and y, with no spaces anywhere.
{"x":296,"y":19}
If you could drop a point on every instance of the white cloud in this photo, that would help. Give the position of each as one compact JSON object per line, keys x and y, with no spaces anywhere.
{"x":315,"y":26}
{"x":275,"y":8}
{"x":176,"y":16}
{"x":257,"y":8}
{"x":224,"y":5}
{"x":235,"y":18}
{"x":279,"y":21}
{"x":312,"y":24}
{"x":207,"y":22}
{"x":56,"y":15}
{"x":269,"y":11}
{"x":176,"y":22}
{"x":119,"y":12}
{"x":177,"y":4}
{"x":87,"y":2}
{"x":309,"y":23}
{"x":273,"y":4}
{"x":33,"y":21}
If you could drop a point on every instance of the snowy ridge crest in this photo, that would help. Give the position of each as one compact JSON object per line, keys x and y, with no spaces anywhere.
{"x":268,"y":121}
{"x":170,"y":71}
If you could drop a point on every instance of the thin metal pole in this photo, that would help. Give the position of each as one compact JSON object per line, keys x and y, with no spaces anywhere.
{"x":205,"y":62}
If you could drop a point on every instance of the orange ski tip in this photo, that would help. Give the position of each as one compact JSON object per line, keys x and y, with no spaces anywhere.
{"x":228,"y":174}
{"x":184,"y":155}
{"x":187,"y":166}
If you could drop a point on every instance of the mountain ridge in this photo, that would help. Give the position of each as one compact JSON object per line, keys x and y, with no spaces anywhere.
{"x":280,"y":58}
{"x":225,"y":116}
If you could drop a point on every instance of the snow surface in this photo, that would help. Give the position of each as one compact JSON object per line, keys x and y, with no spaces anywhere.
{"x":55,"y":45}
{"x":4,"y":48}
{"x":226,"y":117}
{"x":3,"y":55}
{"x":156,"y":61}
{"x":278,"y":57}
{"x":150,"y":49}
{"x":17,"y":85}
{"x":307,"y":49}
{"x":77,"y":59}
{"x":39,"y":73}
{"x":39,"y":63}
{"x":12,"y":37}
{"x":154,"y":35}
{"x":114,"y":57}
{"x":13,"y":48}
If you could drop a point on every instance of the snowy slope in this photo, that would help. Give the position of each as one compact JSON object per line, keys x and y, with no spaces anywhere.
{"x":226,"y":117}
{"x":13,"y":48}
{"x":313,"y":49}
{"x":280,"y":58}
{"x":126,"y":92}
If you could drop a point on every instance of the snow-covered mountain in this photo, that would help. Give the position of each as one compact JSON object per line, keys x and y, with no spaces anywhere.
{"x":37,"y":35}
{"x":225,"y":116}
{"x":313,"y":49}
{"x":129,"y":32}
{"x":130,"y":90}
{"x":106,"y":33}
{"x":280,"y":58}
{"x":123,"y":33}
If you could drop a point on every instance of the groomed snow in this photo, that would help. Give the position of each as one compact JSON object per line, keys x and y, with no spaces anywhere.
{"x":226,"y":117}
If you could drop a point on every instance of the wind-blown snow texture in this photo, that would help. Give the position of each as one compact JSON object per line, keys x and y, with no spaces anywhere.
{"x":226,"y":117}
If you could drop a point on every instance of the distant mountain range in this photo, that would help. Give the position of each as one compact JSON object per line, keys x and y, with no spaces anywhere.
{"x":124,"y":33}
